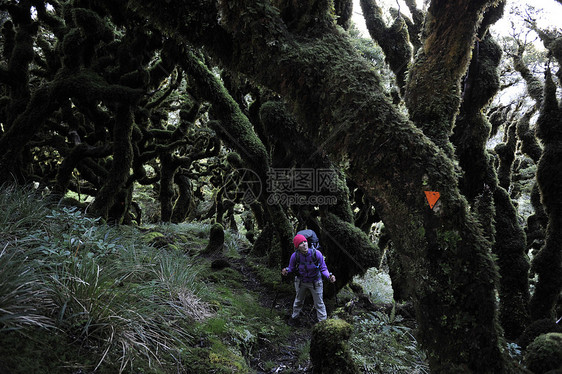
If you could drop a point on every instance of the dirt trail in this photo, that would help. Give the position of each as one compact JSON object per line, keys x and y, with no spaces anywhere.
{"x":286,"y":357}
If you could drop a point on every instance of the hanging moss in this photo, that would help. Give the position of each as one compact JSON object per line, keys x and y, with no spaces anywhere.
{"x":329,"y":351}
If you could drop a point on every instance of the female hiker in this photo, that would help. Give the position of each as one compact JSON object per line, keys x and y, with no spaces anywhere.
{"x":308,"y":266}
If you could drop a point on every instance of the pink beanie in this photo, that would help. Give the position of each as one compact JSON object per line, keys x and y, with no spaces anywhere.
{"x":298,"y":239}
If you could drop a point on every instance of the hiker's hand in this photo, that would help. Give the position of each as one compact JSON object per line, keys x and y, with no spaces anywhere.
{"x":284,"y":272}
{"x":332,"y":278}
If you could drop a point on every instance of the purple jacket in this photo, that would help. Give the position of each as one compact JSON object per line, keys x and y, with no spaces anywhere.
{"x":307,"y":271}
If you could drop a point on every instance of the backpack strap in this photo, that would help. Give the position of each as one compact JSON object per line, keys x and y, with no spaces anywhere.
{"x":315,"y":259}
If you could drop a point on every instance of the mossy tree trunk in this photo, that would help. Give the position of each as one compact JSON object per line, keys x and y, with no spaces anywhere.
{"x":480,"y":184}
{"x":344,"y":12}
{"x":18,"y":36}
{"x":448,"y":260}
{"x":506,"y":155}
{"x":434,"y":84}
{"x":548,"y":263}
{"x":536,"y":222}
{"x":111,"y":202}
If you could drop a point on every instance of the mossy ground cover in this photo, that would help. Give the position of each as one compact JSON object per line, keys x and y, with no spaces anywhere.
{"x":144,"y":299}
{"x":108,"y":299}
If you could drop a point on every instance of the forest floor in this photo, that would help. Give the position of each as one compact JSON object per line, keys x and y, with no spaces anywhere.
{"x":289,"y":356}
{"x":275,"y":294}
{"x":196,"y":312}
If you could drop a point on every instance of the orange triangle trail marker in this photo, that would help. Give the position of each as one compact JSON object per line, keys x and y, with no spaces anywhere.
{"x":432,"y":197}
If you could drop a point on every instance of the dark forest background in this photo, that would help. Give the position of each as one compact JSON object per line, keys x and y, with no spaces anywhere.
{"x":266,"y":117}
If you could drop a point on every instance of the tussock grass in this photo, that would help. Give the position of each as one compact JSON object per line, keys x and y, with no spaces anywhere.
{"x":21,"y":211}
{"x":120,"y":303}
{"x":21,"y":291}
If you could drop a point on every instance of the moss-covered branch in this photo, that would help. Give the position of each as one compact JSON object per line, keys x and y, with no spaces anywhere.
{"x":348,"y":248}
{"x":236,"y":131}
{"x":394,"y":40}
{"x":433,"y":88}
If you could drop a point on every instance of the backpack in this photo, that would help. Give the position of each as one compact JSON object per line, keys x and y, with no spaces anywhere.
{"x":311,"y":238}
{"x":313,"y":243}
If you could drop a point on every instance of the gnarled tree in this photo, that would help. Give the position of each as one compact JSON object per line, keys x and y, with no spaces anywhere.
{"x":340,"y":103}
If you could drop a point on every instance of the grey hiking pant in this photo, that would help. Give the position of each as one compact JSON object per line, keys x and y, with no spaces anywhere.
{"x":316,"y":289}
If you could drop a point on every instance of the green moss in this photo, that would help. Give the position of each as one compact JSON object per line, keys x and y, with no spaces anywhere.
{"x":329,"y":350}
{"x":450,"y":237}
{"x":545,"y":353}
{"x":215,"y":326}
{"x":152,"y":236}
{"x":228,"y":277}
{"x":271,"y":278}
{"x":536,"y":328}
{"x":360,"y":253}
{"x":218,"y":358}
{"x":224,"y":359}
{"x":547,"y":263}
